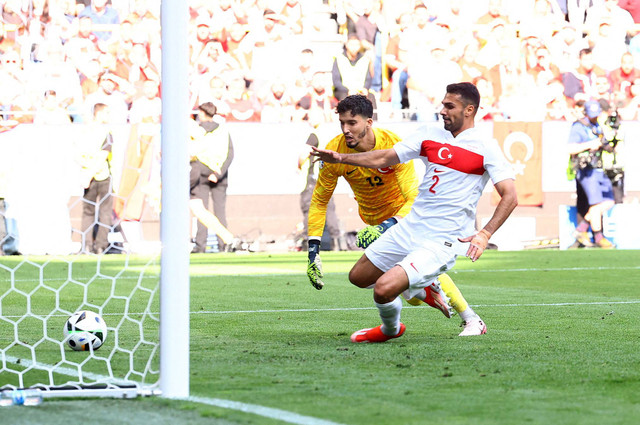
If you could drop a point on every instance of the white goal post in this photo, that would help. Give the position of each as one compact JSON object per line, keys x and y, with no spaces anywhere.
{"x":174,"y":275}
{"x":147,"y":347}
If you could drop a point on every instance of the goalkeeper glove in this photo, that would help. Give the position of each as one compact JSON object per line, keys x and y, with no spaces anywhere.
{"x":314,"y":269}
{"x":366,"y":236}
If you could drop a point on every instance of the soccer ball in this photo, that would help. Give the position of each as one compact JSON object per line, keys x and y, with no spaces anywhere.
{"x":85,"y":329}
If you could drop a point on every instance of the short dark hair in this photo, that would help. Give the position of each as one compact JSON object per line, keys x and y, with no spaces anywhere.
{"x":99,"y":107}
{"x":585,"y":51}
{"x":357,"y":104}
{"x":468,"y":93}
{"x":208,"y":108}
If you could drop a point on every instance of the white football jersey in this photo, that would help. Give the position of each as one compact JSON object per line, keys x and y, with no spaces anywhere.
{"x":456,"y":172}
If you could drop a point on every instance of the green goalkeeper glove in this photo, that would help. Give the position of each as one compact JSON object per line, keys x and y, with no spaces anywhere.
{"x":366,"y":236}
{"x":314,"y":269}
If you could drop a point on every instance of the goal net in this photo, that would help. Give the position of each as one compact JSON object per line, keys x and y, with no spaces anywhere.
{"x":138,"y":282}
{"x":37,"y":296}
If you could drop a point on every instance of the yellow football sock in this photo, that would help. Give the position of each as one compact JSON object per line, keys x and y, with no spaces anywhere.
{"x":457,"y":301}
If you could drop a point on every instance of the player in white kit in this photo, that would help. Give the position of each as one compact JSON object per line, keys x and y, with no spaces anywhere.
{"x":441,"y":225}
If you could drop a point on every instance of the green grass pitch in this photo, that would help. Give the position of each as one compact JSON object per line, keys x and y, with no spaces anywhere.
{"x":563,"y":342}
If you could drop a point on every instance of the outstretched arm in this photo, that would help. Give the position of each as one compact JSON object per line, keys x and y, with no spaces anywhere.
{"x":371,"y":159}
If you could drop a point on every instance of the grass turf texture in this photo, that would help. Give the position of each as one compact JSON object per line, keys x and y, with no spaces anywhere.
{"x":562,"y":345}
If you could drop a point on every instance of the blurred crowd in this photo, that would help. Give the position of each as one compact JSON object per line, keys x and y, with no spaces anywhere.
{"x":292,"y":60}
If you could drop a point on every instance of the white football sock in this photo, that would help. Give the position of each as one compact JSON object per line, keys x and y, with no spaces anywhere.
{"x":390,"y":315}
{"x":468,"y":314}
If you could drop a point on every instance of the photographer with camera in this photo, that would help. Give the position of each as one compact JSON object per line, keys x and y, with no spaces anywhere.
{"x":612,"y":146}
{"x":586,"y":145}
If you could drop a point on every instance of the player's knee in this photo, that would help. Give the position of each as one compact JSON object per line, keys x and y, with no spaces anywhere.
{"x":385,"y":289}
{"x":357,"y":278}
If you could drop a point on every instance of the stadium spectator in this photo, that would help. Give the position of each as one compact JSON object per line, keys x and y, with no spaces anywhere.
{"x":543,"y":70}
{"x":55,"y":73}
{"x":71,"y":9}
{"x":630,"y":111}
{"x":499,"y":35}
{"x":14,"y":18}
{"x":143,"y":18}
{"x":579,"y":84}
{"x":489,"y":109}
{"x":277,"y":103}
{"x":519,"y":98}
{"x":122,"y":46}
{"x":104,"y":17}
{"x":217,"y":94}
{"x":607,"y":49}
{"x":109,"y":93}
{"x":366,"y":23}
{"x":421,"y":33}
{"x":577,"y":13}
{"x":495,"y":11}
{"x":239,"y":25}
{"x":470,"y":68}
{"x":6,"y":43}
{"x":557,"y":108}
{"x":202,"y":37}
{"x":318,"y":102}
{"x":428,"y":80}
{"x":243,"y":102}
{"x":32,"y":42}
{"x":397,"y":61}
{"x":303,"y":73}
{"x":292,"y":16}
{"x":213,"y":60}
{"x":15,"y":105}
{"x":270,"y":30}
{"x":351,"y":70}
{"x":230,"y":12}
{"x":147,"y":108}
{"x":631,"y":6}
{"x":139,"y":66}
{"x":458,"y":15}
{"x":541,"y":22}
{"x":82,"y":47}
{"x":603,"y":93}
{"x":565,"y":47}
{"x":89,"y":74}
{"x":51,"y":111}
{"x":621,"y":22}
{"x":623,"y":77}
{"x":240,"y":47}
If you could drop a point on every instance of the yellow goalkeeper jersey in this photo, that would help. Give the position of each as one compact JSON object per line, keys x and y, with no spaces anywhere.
{"x":380,"y":193}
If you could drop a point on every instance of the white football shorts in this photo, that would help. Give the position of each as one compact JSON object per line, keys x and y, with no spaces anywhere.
{"x":422,"y":260}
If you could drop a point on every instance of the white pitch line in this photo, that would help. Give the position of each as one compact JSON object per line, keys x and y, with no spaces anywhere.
{"x":551,"y":269}
{"x":260,"y":271}
{"x":268,"y":412}
{"x":67,"y":371}
{"x":312,"y":310}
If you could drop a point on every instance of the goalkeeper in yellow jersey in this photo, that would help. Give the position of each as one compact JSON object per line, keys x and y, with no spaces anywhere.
{"x":383,"y":195}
